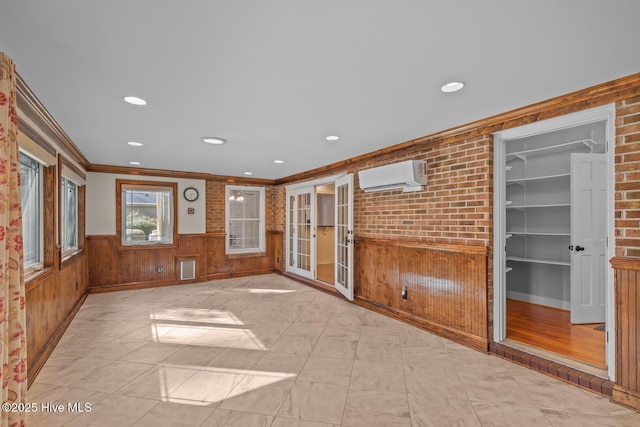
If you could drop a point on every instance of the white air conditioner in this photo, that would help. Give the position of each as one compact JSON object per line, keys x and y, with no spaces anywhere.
{"x":409,"y":175}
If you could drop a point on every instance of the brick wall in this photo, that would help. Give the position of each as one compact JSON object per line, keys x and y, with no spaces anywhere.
{"x":454,"y":207}
{"x":627,"y":173}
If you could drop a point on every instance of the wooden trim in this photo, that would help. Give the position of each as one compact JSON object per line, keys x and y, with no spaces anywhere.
{"x":42,"y":356}
{"x":554,"y":369}
{"x":627,"y":397}
{"x":216,"y":234}
{"x":173,"y":186}
{"x":601,"y":94}
{"x":422,"y":244}
{"x":35,"y":137}
{"x":101,"y":237}
{"x":38,"y":278}
{"x":125,"y":170}
{"x":132,"y":286}
{"x":34,"y":110}
{"x":625,"y":263}
{"x":65,"y":163}
{"x":231,"y":275}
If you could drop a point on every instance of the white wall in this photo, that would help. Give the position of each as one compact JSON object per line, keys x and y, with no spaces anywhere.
{"x":101,"y":203}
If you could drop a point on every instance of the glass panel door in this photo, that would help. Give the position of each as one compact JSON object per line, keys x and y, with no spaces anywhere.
{"x":344,"y":236}
{"x":301,"y":232}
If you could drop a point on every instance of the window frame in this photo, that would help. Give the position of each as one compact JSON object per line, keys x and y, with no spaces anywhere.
{"x":68,"y":251}
{"x":67,"y":170}
{"x":262,"y":237}
{"x":120,"y":183}
{"x":38,"y":265}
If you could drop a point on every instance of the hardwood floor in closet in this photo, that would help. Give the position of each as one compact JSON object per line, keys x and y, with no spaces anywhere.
{"x":550,"y":329}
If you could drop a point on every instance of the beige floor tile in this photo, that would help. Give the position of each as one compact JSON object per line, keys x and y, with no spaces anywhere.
{"x":290,"y":422}
{"x":153,"y":352}
{"x":424,"y":357}
{"x":61,"y":396}
{"x":379,"y":352}
{"x":116,"y":411}
{"x":261,"y":393}
{"x":169,"y":414}
{"x":158,"y":383}
{"x":206,"y":387}
{"x":66,"y":370}
{"x":315,"y":402}
{"x":380,"y":334}
{"x":293,"y":345}
{"x":227,"y":418}
{"x":441,"y":411}
{"x":434,"y":381}
{"x":112,"y":377}
{"x":494,"y":388}
{"x":289,"y":364}
{"x":305,"y":329}
{"x":342,"y":332}
{"x":314,"y":316}
{"x":328,"y":371}
{"x":495,"y":414}
{"x":192,"y":356}
{"x":335,"y":348}
{"x":235,"y":359}
{"x":571,"y":419}
{"x":378,"y":376}
{"x":376,"y":408}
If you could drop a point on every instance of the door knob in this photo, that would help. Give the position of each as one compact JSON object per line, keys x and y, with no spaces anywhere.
{"x":579,"y":248}
{"x":571,"y":247}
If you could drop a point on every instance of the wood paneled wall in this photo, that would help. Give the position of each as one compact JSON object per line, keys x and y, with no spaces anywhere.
{"x":52,"y":298}
{"x":627,"y":303}
{"x":113,"y":269}
{"x":446,"y":285}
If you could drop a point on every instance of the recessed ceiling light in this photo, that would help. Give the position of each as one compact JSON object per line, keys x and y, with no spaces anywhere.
{"x":213,"y":140}
{"x":135,"y":100}
{"x":248,"y":173}
{"x":333,"y":138}
{"x":135,"y":144}
{"x":278,"y":162}
{"x":452,"y":87}
{"x":134,"y":163}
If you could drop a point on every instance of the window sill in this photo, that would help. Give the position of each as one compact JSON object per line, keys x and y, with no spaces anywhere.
{"x":122,"y":247}
{"x":68,"y":257}
{"x":33,"y":277}
{"x":246,"y":255}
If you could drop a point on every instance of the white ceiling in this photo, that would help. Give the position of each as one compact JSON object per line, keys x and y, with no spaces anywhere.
{"x":276,"y":77}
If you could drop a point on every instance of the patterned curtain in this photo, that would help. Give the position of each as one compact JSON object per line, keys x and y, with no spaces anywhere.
{"x":13,"y":346}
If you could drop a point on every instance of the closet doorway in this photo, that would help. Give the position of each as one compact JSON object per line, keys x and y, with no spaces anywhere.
{"x":553,"y":220}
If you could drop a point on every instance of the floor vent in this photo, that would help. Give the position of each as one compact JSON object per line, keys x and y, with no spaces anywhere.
{"x":188,"y":269}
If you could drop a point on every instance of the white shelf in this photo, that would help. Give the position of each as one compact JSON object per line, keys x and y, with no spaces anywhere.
{"x":538,"y":178}
{"x":555,"y":205}
{"x":524,"y":154}
{"x":538,"y":260}
{"x":535,"y":233}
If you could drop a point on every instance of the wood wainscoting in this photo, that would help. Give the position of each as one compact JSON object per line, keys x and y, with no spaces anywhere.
{"x":627,"y":311}
{"x":446,"y":286}
{"x":112,"y":269}
{"x":52,"y":299}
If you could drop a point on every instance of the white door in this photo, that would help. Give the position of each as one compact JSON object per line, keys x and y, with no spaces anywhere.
{"x":300,"y":239}
{"x":588,"y":237}
{"x":344,"y":235}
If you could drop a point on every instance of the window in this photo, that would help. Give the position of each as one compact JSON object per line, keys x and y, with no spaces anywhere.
{"x":31,"y":192}
{"x":245,"y":225}
{"x":146,"y":213}
{"x":69,"y":215}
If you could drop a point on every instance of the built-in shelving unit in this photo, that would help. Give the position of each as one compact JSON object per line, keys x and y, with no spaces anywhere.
{"x":538,"y":216}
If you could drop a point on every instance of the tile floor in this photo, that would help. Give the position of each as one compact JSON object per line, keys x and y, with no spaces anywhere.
{"x":267,"y":351}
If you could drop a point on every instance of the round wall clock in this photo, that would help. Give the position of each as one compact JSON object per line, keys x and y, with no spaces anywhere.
{"x":190,"y":194}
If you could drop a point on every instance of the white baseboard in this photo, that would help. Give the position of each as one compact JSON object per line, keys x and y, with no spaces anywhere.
{"x":536,"y":299}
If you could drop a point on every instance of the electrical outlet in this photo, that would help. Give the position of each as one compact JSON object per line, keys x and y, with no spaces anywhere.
{"x":159,"y":269}
{"x":404,"y":293}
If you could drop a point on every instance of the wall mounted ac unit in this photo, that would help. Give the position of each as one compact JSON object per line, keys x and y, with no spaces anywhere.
{"x":409,"y":175}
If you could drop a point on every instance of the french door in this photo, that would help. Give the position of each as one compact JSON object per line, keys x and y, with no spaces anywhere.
{"x":344,"y":236}
{"x":301,"y":219}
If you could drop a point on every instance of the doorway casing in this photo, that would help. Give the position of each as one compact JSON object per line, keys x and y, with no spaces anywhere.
{"x":604,"y":114}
